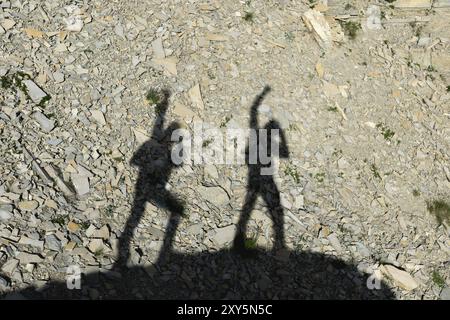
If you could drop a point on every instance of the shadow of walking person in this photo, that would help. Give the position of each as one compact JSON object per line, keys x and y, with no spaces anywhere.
{"x":261,"y":164}
{"x":155,"y":166}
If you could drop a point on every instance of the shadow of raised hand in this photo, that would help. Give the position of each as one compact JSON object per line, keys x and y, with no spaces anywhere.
{"x":155,"y":166}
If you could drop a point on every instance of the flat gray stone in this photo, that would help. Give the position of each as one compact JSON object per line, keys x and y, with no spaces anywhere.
{"x":158,"y":49}
{"x":3,"y":282}
{"x":53,"y":243}
{"x":46,"y":124}
{"x":10,"y":266}
{"x":5,"y":215}
{"x":26,"y":258}
{"x":81,"y":184}
{"x":445,"y":294}
{"x":36,"y":94}
{"x":224,"y":235}
{"x":215,"y":195}
{"x":334,"y":241}
{"x":58,"y":77}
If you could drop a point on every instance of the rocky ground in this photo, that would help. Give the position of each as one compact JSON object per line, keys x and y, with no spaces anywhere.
{"x":364,"y":103}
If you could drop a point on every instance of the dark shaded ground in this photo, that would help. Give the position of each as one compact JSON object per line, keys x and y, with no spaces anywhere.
{"x":241,"y":273}
{"x":225,"y":275}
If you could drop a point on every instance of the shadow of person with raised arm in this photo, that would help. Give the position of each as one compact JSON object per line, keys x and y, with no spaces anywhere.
{"x":205,"y":274}
{"x":155,"y":167}
{"x":261,"y":168}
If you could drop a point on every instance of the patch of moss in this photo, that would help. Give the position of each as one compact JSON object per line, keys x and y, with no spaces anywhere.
{"x":14,"y":82}
{"x":320,"y":176}
{"x":440,"y":209}
{"x":44,"y":101}
{"x":351,"y":28}
{"x":387,"y":133}
{"x":60,"y":219}
{"x":207,"y":142}
{"x":248,"y":16}
{"x":375,"y":172}
{"x":438,"y":279}
{"x":291,"y":171}
{"x":152,"y":97}
{"x":250,"y":243}
{"x":84,"y":225}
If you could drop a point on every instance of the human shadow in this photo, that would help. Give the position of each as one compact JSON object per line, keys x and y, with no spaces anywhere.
{"x":155,"y":166}
{"x":223,"y":274}
{"x":261,"y":170}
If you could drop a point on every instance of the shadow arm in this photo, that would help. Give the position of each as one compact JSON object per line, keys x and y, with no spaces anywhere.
{"x":255,"y":105}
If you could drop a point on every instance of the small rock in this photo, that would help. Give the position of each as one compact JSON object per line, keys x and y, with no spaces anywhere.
{"x":330,"y":89}
{"x":70,"y":246}
{"x":33,"y":33}
{"x":140,"y":136}
{"x":58,"y":77}
{"x":90,"y":231}
{"x":3,"y":282}
{"x":413,"y":4}
{"x":362,"y":249}
{"x":26,"y":258}
{"x":402,"y":278}
{"x":96,"y":245}
{"x":195,"y":229}
{"x":424,"y":41}
{"x":8,"y":24}
{"x":445,"y":294}
{"x":316,"y":23}
{"x":10,"y":266}
{"x":73,"y":227}
{"x":441,"y":4}
{"x":36,"y":94}
{"x":182,"y":111}
{"x":215,"y":195}
{"x":102,"y":233}
{"x":299,"y":202}
{"x":335,"y":242}
{"x":98,"y":116}
{"x":196,"y":97}
{"x":46,"y":124}
{"x":320,"y":70}
{"x":211,"y":171}
{"x":158,"y":49}
{"x":224,"y":235}
{"x":284,"y":201}
{"x":169,"y":64}
{"x":5,"y":4}
{"x":5,"y":215}
{"x":81,"y":184}
{"x":155,"y":232}
{"x":28,"y":205}
{"x":118,"y":29}
{"x":53,"y":243}
{"x":93,"y":294}
{"x":32,"y":242}
{"x":60,"y":47}
{"x":74,"y":22}
{"x":216,"y":37}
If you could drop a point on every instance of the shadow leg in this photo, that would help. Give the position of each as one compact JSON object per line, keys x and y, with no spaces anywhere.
{"x":176,"y":209}
{"x":133,"y":220}
{"x":239,"y":239}
{"x":272,"y":198}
